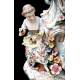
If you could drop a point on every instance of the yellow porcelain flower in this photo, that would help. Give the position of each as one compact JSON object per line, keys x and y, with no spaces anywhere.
{"x":50,"y":58}
{"x":51,"y":45}
{"x":29,"y":41}
{"x":51,"y":41}
{"x":56,"y":59}
{"x":51,"y":38}
{"x":26,"y":40}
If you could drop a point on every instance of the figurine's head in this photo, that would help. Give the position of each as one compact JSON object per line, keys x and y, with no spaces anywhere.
{"x":28,"y":11}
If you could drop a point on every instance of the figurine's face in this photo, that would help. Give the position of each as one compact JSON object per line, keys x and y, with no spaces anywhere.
{"x":31,"y":18}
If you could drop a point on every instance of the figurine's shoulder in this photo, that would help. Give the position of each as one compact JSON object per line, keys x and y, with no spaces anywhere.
{"x":25,"y":20}
{"x":37,"y":18}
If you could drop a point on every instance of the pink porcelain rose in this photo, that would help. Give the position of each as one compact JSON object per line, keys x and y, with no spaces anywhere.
{"x":55,"y":69}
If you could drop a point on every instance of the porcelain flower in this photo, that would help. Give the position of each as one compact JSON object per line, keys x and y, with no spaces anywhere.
{"x":55,"y":69}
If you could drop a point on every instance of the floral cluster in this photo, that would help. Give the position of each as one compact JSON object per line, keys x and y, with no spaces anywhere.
{"x":43,"y":53}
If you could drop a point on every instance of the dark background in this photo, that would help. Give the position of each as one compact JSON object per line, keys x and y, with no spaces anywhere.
{"x":19,"y":56}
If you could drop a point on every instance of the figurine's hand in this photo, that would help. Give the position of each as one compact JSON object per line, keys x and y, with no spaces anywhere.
{"x":22,"y":32}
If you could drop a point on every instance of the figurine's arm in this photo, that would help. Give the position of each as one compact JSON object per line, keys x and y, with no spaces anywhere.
{"x":23,"y":28}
